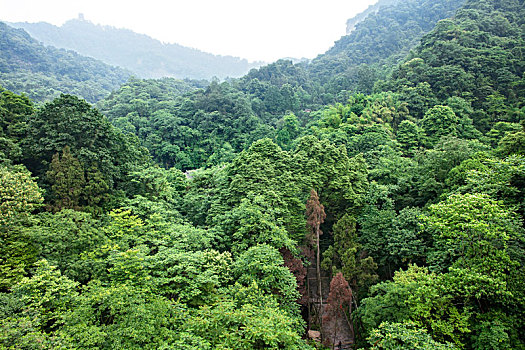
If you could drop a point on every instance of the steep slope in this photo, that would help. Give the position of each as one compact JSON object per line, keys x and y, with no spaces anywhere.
{"x":207,"y":127}
{"x":352,"y":22}
{"x":147,"y":57}
{"x":380,"y":41}
{"x":44,"y":73}
{"x":382,"y":37}
{"x":477,"y":56}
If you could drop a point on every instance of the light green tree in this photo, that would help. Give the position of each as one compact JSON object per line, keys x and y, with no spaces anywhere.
{"x":19,"y":197}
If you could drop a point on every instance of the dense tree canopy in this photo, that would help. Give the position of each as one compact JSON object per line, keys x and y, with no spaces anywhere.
{"x":191,"y":216}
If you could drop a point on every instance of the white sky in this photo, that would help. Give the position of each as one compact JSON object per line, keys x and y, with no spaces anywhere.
{"x":257,"y":30}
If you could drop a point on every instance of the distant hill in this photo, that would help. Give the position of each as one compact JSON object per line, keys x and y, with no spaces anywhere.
{"x":43,"y":73}
{"x":141,"y":54}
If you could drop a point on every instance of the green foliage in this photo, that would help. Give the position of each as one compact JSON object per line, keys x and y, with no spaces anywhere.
{"x":406,"y":243}
{"x":19,"y":193}
{"x":502,"y":179}
{"x":204,"y":127}
{"x":346,"y":255}
{"x":264,"y":173}
{"x":480,"y":243}
{"x":156,"y":184}
{"x":206,"y":258}
{"x":64,"y":238}
{"x":472,"y":232}
{"x":246,"y":318}
{"x":19,"y":196}
{"x":192,"y":278}
{"x":476,"y":56}
{"x":35,"y":309}
{"x":409,"y":135}
{"x":125,"y":229}
{"x":14,"y":112}
{"x":69,"y":121}
{"x":66,"y":176}
{"x":417,"y":296}
{"x":493,"y":335}
{"x":263,"y":265}
{"x":342,"y":254}
{"x":501,"y":129}
{"x":435,"y":164}
{"x":120,"y":317}
{"x":439,"y":121}
{"x":512,"y":144}
{"x":464,"y":112}
{"x":393,"y":336}
{"x":43,"y":73}
{"x":253,"y":222}
{"x":339,"y":179}
{"x":392,"y":239}
{"x":287,"y":131}
{"x":377,"y":43}
{"x":47,"y":292}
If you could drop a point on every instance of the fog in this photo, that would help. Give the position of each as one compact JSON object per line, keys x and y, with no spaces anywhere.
{"x":256,"y":30}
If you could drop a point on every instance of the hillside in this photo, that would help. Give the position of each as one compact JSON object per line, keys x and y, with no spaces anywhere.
{"x":476,"y":56}
{"x":260,"y":104}
{"x":352,"y":22}
{"x":379,"y":41}
{"x":382,"y":37}
{"x":251,"y":214}
{"x":43,"y":73}
{"x":141,"y":54}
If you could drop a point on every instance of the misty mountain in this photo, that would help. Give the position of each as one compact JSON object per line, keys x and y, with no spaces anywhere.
{"x":43,"y":73}
{"x":379,"y":39}
{"x":141,"y":54}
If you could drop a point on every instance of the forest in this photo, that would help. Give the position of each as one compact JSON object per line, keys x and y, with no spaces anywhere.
{"x":372,"y":198}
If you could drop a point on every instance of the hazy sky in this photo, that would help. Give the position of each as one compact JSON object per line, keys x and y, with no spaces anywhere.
{"x":256,"y":30}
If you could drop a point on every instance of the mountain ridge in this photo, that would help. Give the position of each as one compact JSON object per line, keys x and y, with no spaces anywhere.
{"x":44,"y":73}
{"x":145,"y":56}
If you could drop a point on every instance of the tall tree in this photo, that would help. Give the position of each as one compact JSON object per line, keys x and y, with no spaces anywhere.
{"x":14,"y":111}
{"x":439,"y":121}
{"x":346,"y":255}
{"x":315,"y":216}
{"x":69,"y":121}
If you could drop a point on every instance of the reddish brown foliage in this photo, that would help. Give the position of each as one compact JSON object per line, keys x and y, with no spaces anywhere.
{"x":338,"y":306}
{"x":295,"y":265}
{"x":315,"y":214}
{"x":340,"y":296}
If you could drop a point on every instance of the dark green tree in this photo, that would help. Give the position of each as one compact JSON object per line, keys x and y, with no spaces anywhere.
{"x":66,"y":176}
{"x":69,"y":121}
